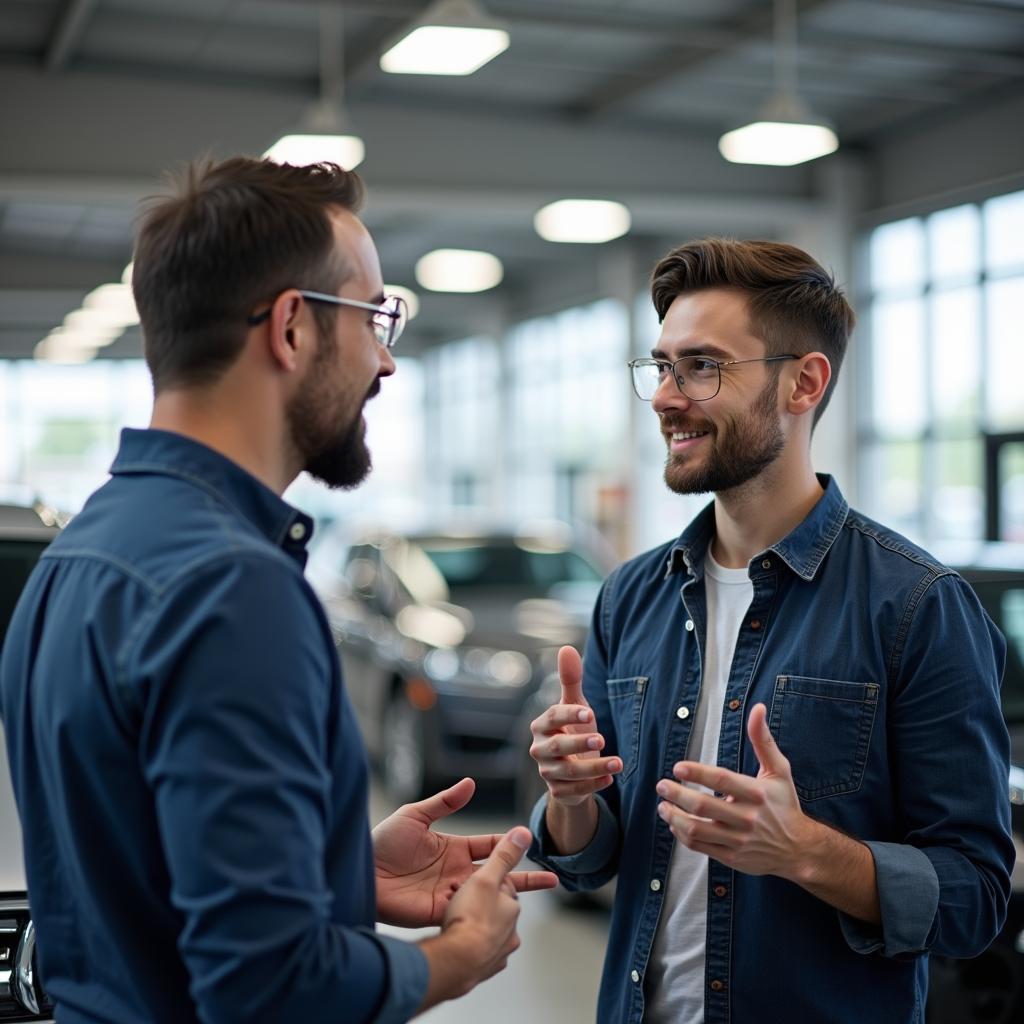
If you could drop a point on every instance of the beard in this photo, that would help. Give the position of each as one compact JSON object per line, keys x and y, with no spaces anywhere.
{"x":332,"y":446}
{"x":738,"y":452}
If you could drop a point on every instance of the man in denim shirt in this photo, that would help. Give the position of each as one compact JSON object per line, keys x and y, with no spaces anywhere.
{"x":187,"y":767}
{"x":785,"y":741}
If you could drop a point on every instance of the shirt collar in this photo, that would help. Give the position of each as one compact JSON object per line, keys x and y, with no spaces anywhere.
{"x":170,"y":454}
{"x":803,"y":549}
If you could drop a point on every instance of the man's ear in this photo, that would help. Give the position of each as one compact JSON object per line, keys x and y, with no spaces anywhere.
{"x":286,"y":331}
{"x":807,"y":383}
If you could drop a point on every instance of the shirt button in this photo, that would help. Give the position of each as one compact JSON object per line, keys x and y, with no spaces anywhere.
{"x":755,"y":623}
{"x":766,"y":564}
{"x":655,"y":885}
{"x":635,"y":975}
{"x":734,"y":705}
{"x":297,"y":532}
{"x":682,"y":712}
{"x":720,"y":891}
{"x":717,"y":986}
{"x":689,"y":625}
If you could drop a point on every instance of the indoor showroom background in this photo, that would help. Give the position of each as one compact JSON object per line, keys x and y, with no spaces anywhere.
{"x":512,"y":401}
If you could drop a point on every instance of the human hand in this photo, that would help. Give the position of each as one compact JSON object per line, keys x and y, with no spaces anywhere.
{"x":757,"y":826}
{"x":478,"y":930}
{"x":418,"y":870}
{"x":566,"y":746}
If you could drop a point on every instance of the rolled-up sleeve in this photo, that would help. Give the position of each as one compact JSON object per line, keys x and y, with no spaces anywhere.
{"x":944,"y":886}
{"x":236,"y":745}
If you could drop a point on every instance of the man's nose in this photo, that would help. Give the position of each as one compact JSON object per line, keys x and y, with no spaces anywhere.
{"x":668,"y":396}
{"x":387,"y":362}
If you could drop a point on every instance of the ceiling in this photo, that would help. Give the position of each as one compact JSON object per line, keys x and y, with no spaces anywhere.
{"x":619,"y":99}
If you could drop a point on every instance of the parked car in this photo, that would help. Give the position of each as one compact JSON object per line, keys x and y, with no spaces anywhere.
{"x":24,"y":534}
{"x":444,"y":637}
{"x":988,"y":988}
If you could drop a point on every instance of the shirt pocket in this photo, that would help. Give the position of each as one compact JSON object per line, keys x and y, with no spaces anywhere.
{"x":625,"y":702}
{"x":823,"y":726}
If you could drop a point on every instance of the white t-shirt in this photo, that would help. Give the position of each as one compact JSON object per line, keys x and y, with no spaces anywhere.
{"x":675,"y":974}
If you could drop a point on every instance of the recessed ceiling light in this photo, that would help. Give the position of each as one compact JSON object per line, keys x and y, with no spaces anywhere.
{"x":459,"y":270}
{"x":56,"y":348}
{"x":582,"y":220}
{"x":453,"y":37}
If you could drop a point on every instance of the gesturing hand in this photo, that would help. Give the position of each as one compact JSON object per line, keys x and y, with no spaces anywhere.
{"x":758,"y":826}
{"x":565,"y":746}
{"x":418,"y":870}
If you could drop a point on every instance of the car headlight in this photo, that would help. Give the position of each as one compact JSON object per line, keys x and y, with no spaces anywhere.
{"x":480,"y":666}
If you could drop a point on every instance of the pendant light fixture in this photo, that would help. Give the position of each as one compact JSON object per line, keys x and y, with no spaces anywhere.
{"x":452,"y":37}
{"x":323,"y":133}
{"x":787,"y":132}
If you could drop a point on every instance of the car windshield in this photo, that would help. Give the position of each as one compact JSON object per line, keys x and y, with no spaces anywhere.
{"x":1004,"y":601}
{"x":465,"y":565}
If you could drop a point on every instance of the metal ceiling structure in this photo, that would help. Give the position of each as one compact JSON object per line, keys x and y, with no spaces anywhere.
{"x":616,"y":99}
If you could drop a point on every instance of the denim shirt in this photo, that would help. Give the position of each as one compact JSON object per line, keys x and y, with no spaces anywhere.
{"x":186,"y":763}
{"x":881,"y":676}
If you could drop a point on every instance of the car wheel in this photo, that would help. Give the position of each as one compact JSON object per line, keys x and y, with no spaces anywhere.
{"x":405,"y":756}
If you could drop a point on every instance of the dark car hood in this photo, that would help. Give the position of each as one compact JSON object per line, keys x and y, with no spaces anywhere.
{"x":521,"y":621}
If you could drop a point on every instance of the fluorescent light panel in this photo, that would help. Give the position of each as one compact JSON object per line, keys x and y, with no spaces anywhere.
{"x":779,"y":143}
{"x":347,"y":151}
{"x":444,"y":50}
{"x":582,"y":220}
{"x":459,"y":270}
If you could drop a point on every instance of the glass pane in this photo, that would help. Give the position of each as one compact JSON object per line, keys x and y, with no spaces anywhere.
{"x":898,"y":367}
{"x":954,"y":243}
{"x":897,"y":254}
{"x":1005,"y":369}
{"x":956,"y":356}
{"x":1004,"y":231}
{"x":893,"y":485}
{"x":1011,"y":492}
{"x":958,"y":504}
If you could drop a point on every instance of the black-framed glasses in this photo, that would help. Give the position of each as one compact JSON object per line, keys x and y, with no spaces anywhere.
{"x":389,"y":317}
{"x":697,"y":377}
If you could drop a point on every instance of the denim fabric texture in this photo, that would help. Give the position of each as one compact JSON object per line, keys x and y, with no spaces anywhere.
{"x":187,"y":767}
{"x":881,"y":676}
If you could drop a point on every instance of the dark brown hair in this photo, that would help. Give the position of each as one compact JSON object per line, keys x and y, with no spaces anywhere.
{"x":795,"y":305}
{"x":232,"y":235}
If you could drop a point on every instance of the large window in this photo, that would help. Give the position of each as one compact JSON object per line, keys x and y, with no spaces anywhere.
{"x":942,"y":427}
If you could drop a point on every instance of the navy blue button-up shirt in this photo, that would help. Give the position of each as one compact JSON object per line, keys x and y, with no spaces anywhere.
{"x":187,"y":767}
{"x":881,"y":675}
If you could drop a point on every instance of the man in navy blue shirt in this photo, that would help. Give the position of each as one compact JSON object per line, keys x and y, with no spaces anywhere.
{"x":189,"y":775}
{"x":785,"y":739}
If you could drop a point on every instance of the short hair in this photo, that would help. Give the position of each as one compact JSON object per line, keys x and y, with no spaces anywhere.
{"x":794,"y":303}
{"x":230,"y":236}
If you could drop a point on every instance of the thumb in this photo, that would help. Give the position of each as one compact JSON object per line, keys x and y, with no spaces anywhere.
{"x":505,"y":856}
{"x":767,"y":751}
{"x":570,"y":671}
{"x":448,"y":801}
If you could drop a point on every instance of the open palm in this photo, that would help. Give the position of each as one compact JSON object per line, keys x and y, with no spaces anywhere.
{"x":418,"y":870}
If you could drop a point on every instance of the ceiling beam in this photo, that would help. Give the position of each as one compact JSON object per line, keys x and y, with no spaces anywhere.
{"x":751,"y":28}
{"x":67,"y":33}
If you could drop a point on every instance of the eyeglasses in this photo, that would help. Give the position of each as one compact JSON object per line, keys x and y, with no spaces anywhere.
{"x":388,"y":320}
{"x":697,"y":377}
